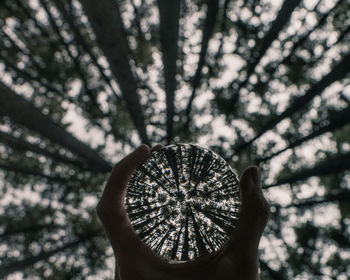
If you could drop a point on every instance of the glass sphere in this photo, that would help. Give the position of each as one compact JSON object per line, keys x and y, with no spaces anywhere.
{"x":183,"y":202}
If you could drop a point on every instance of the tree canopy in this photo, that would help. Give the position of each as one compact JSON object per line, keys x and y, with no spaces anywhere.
{"x":84,"y":82}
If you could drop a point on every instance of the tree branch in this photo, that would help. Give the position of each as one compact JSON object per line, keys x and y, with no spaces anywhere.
{"x":338,"y":120}
{"x":22,"y":145}
{"x":105,"y":19}
{"x":169,"y":12}
{"x":209,"y":24}
{"x":24,"y":113}
{"x":337,"y":73}
{"x":21,"y":265}
{"x":259,"y":51}
{"x":78,"y":37}
{"x":332,"y":165}
{"x":316,"y":200}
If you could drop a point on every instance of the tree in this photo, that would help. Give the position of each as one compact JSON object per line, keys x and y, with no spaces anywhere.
{"x":83,"y":82}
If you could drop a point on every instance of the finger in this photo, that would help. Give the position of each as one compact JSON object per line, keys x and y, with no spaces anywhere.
{"x":116,"y":184}
{"x":157,"y":148}
{"x":254,"y":211}
{"x":111,"y":208}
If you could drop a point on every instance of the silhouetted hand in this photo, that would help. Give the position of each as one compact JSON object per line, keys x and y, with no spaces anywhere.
{"x":135,"y":261}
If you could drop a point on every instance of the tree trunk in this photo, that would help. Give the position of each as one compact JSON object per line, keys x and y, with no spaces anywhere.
{"x":338,"y":120}
{"x":209,"y":24}
{"x":28,"y":171}
{"x":21,"y":145}
{"x":169,"y":13}
{"x":76,"y":63}
{"x":24,"y":113}
{"x":336,"y":164}
{"x":277,"y":25}
{"x":303,"y":38}
{"x":81,"y":41}
{"x":105,"y":19}
{"x":332,"y":197}
{"x":32,"y":228}
{"x":338,"y":72}
{"x":21,"y":265}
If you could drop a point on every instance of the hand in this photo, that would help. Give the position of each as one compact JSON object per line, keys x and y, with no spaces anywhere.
{"x":238,"y":259}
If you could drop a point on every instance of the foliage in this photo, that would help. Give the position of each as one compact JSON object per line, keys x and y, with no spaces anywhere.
{"x":264,"y":97}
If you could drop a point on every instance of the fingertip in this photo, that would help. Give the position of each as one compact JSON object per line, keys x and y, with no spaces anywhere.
{"x":123,"y":168}
{"x":250,"y":180}
{"x":144,"y":149}
{"x":157,"y":147}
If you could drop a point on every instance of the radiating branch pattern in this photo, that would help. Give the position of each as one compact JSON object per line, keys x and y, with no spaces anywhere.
{"x":183,"y":202}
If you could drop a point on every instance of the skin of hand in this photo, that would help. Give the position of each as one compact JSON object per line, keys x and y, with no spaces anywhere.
{"x":238,"y":259}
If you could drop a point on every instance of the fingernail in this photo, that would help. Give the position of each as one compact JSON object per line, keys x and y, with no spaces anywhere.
{"x":156,"y":148}
{"x":255,"y":177}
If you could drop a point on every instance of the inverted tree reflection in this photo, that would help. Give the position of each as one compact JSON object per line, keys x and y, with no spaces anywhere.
{"x":183,"y":202}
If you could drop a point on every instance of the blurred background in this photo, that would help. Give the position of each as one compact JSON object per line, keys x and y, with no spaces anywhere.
{"x":83,"y":82}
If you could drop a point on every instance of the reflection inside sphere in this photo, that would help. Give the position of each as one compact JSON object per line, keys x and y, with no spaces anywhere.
{"x":183,"y":202}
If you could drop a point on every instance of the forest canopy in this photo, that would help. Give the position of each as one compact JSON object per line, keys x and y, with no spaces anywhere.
{"x":84,"y":82}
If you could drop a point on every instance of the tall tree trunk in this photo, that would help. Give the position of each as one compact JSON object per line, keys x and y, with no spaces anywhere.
{"x":338,"y":120}
{"x":277,"y":25}
{"x":29,"y":171}
{"x":78,"y":37}
{"x":209,"y":24}
{"x":332,"y":197}
{"x":21,"y":145}
{"x":9,"y":231}
{"x":28,"y":11}
{"x":223,"y":27}
{"x":332,"y":165}
{"x":24,"y":113}
{"x":105,"y":19}
{"x":74,"y":59}
{"x":169,"y":13}
{"x":27,"y":76}
{"x":302,"y":39}
{"x":21,"y":265}
{"x":337,"y":73}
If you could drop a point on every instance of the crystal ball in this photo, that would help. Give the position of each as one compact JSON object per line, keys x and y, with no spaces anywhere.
{"x":183,"y":202}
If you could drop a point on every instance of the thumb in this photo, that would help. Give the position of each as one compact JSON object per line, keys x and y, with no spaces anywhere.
{"x":110,"y":208}
{"x":255,"y":209}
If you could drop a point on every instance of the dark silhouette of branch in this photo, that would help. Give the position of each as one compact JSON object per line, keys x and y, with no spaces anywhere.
{"x":22,"y":145}
{"x":223,"y":26}
{"x":209,"y":24}
{"x":28,"y":11}
{"x":7,"y":269}
{"x":169,"y":13}
{"x":332,"y":165}
{"x":337,"y":120}
{"x":302,"y":39}
{"x":29,"y":77}
{"x":24,"y":113}
{"x":259,"y":51}
{"x":9,"y":231}
{"x":78,"y":37}
{"x":105,"y":19}
{"x":78,"y":69}
{"x":29,"y":171}
{"x":20,"y":50}
{"x":316,"y":200}
{"x":337,"y":73}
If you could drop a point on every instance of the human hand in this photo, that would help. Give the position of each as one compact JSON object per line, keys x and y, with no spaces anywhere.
{"x":238,"y":259}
